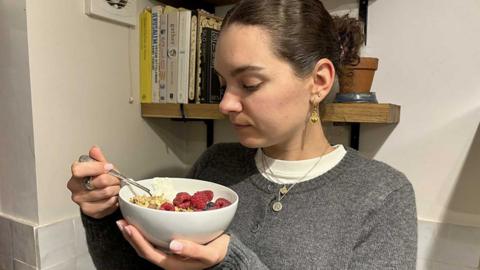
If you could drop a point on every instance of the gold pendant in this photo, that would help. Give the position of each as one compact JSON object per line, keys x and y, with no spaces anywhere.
{"x":284,"y":190}
{"x":277,"y":206}
{"x":314,"y":117}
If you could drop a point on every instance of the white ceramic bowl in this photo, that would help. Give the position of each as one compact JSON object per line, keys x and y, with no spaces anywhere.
{"x":160,"y":227}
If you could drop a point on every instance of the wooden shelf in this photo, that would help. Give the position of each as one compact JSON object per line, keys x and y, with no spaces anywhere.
{"x":208,"y":5}
{"x":361,"y":113}
{"x":333,"y":112}
{"x":192,"y":111}
{"x":220,"y":2}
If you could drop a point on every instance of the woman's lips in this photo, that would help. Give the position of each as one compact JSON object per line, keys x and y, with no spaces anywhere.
{"x":240,"y":125}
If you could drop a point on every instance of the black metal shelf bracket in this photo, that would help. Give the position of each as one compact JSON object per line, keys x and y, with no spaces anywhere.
{"x":363,"y":15}
{"x":210,"y":131}
{"x":182,"y":113}
{"x":355,"y":127}
{"x":208,"y":122}
{"x":355,"y":135}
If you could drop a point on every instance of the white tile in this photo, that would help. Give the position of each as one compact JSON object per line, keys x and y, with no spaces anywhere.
{"x":442,"y":266}
{"x":66,"y":265}
{"x":422,"y":264}
{"x":84,"y":262}
{"x":23,"y":243}
{"x":454,"y":245}
{"x":19,"y":265}
{"x":430,"y":265}
{"x":56,"y":243}
{"x":5,"y":237}
{"x":6,"y":262}
{"x":80,"y":238}
{"x":427,"y":233}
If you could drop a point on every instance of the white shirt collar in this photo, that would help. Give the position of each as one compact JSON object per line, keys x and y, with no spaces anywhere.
{"x":295,"y":171}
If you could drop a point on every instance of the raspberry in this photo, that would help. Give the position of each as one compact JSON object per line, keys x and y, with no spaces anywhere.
{"x":167,"y":206}
{"x":182,"y":200}
{"x":208,"y":193}
{"x":199,"y":200}
{"x":222,"y":202}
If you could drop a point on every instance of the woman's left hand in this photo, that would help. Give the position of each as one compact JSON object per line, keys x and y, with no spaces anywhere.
{"x":187,"y":254}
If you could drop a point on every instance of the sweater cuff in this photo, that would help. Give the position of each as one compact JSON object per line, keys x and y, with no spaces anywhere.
{"x":96,"y":227}
{"x":239,"y":257}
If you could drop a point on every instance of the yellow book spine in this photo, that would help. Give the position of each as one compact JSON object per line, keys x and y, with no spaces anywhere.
{"x":146,"y":56}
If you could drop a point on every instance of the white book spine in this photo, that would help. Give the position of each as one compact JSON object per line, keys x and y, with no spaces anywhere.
{"x":193,"y":58}
{"x":172,"y":60}
{"x":163,"y":58}
{"x":183,"y":55}
{"x":156,"y":11}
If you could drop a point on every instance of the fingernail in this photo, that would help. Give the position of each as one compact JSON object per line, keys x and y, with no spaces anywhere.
{"x":108,"y":166}
{"x":176,"y":246}
{"x":120,"y":227}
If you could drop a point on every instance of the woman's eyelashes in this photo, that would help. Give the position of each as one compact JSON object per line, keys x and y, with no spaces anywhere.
{"x":247,"y":87}
{"x":251,"y":87}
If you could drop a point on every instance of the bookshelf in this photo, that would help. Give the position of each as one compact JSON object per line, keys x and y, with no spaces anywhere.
{"x":208,"y":5}
{"x":385,"y":113}
{"x":220,"y":2}
{"x":334,"y":112}
{"x":352,"y":114}
{"x":174,"y":111}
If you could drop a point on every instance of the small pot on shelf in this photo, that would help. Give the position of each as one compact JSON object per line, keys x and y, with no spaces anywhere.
{"x":356,"y":81}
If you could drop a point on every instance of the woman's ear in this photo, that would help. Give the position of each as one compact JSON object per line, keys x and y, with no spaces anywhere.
{"x":323,"y":78}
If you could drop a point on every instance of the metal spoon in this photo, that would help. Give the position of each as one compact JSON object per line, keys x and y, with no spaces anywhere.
{"x":113,"y":172}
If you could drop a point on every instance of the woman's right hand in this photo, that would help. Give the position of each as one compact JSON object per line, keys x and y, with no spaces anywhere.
{"x":101,"y":199}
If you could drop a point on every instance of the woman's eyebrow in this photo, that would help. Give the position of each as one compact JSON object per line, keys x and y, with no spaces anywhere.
{"x":242,"y":69}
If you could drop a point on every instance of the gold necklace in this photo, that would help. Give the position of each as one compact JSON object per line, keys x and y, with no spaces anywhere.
{"x":282,"y":192}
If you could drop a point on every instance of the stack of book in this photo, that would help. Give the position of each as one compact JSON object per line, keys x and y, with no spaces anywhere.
{"x":177,"y":48}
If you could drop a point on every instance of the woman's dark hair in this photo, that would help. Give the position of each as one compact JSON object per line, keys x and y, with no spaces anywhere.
{"x":302,"y":31}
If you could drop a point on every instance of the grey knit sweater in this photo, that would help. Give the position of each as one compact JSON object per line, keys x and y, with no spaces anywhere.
{"x":359,"y":215}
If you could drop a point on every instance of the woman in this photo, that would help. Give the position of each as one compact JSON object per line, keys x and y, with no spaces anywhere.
{"x":304,"y":204}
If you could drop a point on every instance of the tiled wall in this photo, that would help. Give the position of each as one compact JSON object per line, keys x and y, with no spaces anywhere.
{"x":62,"y":246}
{"x":448,"y":247}
{"x":58,"y":246}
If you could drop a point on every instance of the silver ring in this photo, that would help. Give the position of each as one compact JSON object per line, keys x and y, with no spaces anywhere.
{"x":87,"y":183}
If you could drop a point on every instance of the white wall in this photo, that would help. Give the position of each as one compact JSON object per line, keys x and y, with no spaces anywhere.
{"x":429,"y":64}
{"x":81,"y":80}
{"x":18,"y":191}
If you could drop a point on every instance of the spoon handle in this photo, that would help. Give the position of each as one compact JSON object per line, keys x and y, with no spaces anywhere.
{"x":113,"y":172}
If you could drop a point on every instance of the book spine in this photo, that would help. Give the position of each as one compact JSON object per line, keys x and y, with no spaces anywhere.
{"x":213,"y":82}
{"x":156,"y":12}
{"x":163,"y":58}
{"x":185,"y":17}
{"x":145,"y":56}
{"x":204,"y":19}
{"x":193,"y":57}
{"x":172,"y":56}
{"x":204,"y":93}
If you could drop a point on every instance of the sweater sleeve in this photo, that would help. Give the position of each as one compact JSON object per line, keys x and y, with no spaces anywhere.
{"x":239,"y":257}
{"x":389,"y":238}
{"x":107,"y":247}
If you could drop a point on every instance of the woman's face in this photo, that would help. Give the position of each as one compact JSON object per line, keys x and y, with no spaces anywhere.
{"x":264,"y":99}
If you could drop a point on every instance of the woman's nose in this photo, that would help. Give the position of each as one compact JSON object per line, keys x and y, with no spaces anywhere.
{"x":230,"y":103}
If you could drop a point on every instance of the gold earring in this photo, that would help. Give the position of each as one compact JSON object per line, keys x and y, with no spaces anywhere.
{"x":314,"y":115}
